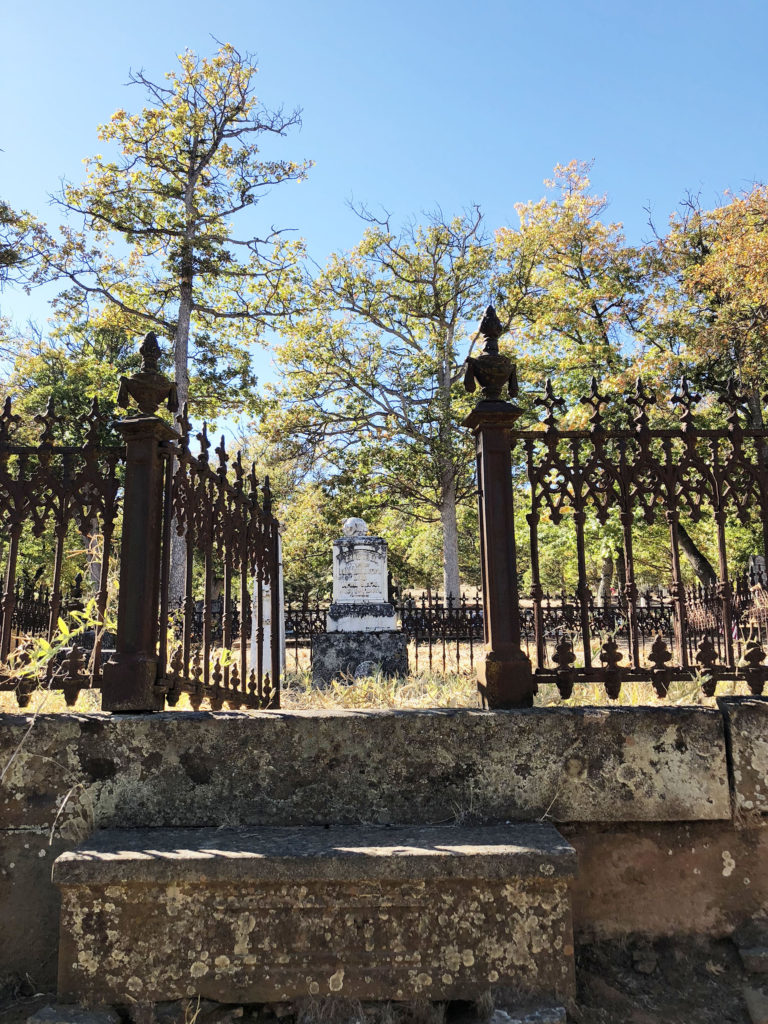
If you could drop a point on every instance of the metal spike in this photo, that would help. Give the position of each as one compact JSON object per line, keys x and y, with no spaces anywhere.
{"x":48,"y":421}
{"x":267,"y":492}
{"x":686,"y":400}
{"x":184,"y":425}
{"x":549,"y":402}
{"x":595,"y":401}
{"x":221,"y":451}
{"x":734,"y":402}
{"x":239,"y":472}
{"x":205,"y":444}
{"x":640,"y":402}
{"x":9,"y":420}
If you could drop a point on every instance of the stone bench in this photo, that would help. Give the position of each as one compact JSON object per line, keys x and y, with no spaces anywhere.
{"x":275,"y":914}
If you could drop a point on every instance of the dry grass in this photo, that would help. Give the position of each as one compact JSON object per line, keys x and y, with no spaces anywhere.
{"x":423,"y":690}
{"x":427,"y":690}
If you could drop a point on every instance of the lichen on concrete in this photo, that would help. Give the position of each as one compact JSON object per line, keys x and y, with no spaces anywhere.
{"x":746,"y":721}
{"x":410,"y":917}
{"x":197,"y":769}
{"x":72,"y":773}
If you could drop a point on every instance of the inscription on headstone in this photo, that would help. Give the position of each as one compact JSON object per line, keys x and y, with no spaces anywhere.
{"x":360,"y":571}
{"x":360,"y":582}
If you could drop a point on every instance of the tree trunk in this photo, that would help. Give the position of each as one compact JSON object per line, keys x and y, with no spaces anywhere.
{"x":451,"y":584}
{"x":755,"y":407}
{"x":94,"y":555}
{"x":181,"y":374}
{"x":181,"y":340}
{"x":699,"y":562}
{"x":606,"y":575}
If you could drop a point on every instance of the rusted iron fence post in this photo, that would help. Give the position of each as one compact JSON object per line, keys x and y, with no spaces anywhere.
{"x":505,"y":678}
{"x":130,"y":677}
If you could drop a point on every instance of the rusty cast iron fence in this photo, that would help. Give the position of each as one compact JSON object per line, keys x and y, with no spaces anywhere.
{"x":226,"y":520}
{"x":645,"y":475}
{"x":72,"y":492}
{"x":48,"y":489}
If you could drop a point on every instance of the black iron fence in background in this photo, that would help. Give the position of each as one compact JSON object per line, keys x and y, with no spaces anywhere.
{"x":443,"y":635}
{"x":448,"y":635}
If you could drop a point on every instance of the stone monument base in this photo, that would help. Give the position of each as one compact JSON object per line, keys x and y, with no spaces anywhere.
{"x":274,"y":915}
{"x":350,"y":654}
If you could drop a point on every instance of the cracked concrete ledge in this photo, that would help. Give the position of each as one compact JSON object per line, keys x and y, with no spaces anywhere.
{"x":197,"y":769}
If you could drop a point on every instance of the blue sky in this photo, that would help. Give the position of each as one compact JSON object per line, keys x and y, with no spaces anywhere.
{"x":414,"y":104}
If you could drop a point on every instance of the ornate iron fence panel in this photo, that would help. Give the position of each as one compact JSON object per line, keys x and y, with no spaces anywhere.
{"x":447,"y":636}
{"x":51,"y":493}
{"x":224,"y":522}
{"x":707,"y":476}
{"x":443,"y":632}
{"x":64,"y":484}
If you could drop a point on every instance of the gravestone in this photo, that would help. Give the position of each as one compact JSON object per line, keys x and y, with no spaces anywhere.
{"x":362,"y":634}
{"x":756,"y":570}
{"x":265,"y":589}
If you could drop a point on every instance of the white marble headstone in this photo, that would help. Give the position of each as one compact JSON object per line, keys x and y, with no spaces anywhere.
{"x":360,"y":598}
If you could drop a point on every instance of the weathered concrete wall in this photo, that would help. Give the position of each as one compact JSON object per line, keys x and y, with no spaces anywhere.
{"x":278,"y":768}
{"x":698,"y":878}
{"x":29,"y":907}
{"x":746,"y":721}
{"x":585,"y":767}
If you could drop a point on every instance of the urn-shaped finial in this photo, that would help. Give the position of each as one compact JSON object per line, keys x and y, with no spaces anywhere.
{"x":492,"y":370}
{"x":148,"y":388}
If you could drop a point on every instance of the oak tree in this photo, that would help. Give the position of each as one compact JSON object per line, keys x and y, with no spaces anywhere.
{"x":571,"y":289}
{"x":20,"y":234}
{"x":709,"y":297}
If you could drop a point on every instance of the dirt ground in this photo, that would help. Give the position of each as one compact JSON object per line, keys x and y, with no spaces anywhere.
{"x":667,"y":982}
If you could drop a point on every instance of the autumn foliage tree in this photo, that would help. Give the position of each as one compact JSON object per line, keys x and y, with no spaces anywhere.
{"x":149,"y":240}
{"x":708,"y":288}
{"x":19,"y":237}
{"x":570,"y":287}
{"x":371,"y":376}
